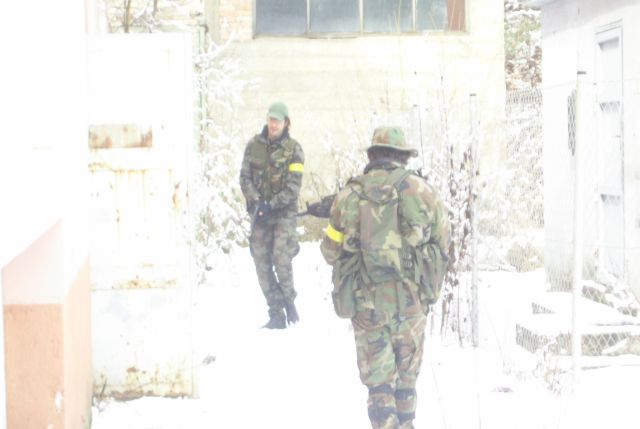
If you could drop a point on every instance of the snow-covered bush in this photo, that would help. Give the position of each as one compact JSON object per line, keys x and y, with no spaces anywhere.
{"x":510,"y":203}
{"x":151,"y":16}
{"x":221,"y":221}
{"x":349,"y":161}
{"x":452,"y":174}
{"x":525,"y":254}
{"x":522,"y":50}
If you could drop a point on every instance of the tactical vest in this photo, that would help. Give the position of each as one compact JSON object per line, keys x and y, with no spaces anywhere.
{"x":270,"y":167}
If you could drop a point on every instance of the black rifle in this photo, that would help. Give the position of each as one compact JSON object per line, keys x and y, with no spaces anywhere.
{"x":254,"y":216}
{"x":321,"y":208}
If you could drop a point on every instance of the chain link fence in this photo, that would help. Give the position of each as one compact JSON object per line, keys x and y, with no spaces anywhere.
{"x":510,"y":206}
{"x":556,"y":215}
{"x":523,"y":211}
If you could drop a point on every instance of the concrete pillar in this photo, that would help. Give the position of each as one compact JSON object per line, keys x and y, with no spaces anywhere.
{"x":47,"y":338}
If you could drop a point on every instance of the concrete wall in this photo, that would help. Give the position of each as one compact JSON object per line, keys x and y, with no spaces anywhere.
{"x":338,"y":88}
{"x":569,"y":30}
{"x":43,"y":250}
{"x":48,"y":344}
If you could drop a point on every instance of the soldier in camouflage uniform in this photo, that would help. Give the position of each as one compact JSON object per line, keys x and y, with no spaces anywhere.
{"x":270,"y":179}
{"x":387,"y":273}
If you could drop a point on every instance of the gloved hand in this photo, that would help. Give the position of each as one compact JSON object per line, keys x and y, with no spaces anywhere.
{"x":264,"y":210}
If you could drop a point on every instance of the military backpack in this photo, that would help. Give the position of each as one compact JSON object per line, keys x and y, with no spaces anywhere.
{"x":380,"y":238}
{"x":385,"y":256}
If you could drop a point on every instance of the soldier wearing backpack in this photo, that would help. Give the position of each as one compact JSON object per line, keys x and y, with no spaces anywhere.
{"x":387,"y":241}
{"x":270,"y":179}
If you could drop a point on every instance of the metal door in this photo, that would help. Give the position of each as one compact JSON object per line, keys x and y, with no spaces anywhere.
{"x":140,"y":139}
{"x":610,"y":150}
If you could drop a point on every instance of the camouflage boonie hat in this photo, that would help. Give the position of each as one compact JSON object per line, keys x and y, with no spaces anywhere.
{"x":391,"y":137}
{"x":278,"y":110}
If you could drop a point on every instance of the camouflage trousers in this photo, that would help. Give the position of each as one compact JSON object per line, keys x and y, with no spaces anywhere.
{"x":273,"y":245}
{"x":389,"y":349}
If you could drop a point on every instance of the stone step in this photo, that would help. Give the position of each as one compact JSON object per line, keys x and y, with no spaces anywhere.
{"x":562,"y":303}
{"x":602,"y":327}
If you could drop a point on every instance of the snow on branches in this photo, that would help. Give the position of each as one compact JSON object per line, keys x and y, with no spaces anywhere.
{"x":522,"y":50}
{"x":221,"y":221}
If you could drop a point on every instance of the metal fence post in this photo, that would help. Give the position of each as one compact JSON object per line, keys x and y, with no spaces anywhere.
{"x":475,"y":312}
{"x":576,"y":335}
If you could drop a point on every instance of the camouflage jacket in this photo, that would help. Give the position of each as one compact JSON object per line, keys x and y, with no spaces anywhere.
{"x":273,"y":172}
{"x":423,"y":222}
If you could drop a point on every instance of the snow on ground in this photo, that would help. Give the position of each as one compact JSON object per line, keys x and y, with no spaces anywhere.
{"x":306,"y":376}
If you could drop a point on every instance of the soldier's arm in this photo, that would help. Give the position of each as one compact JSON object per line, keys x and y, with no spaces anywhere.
{"x":246,"y":184}
{"x":331,"y":246}
{"x":440,"y":228}
{"x":435,"y":252}
{"x":291,"y":190}
{"x":342,"y":233}
{"x":440,"y":236}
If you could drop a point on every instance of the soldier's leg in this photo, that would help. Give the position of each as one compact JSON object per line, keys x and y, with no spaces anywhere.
{"x":408,"y":339}
{"x":261,"y":245}
{"x":285,"y":247}
{"x":376,"y":362}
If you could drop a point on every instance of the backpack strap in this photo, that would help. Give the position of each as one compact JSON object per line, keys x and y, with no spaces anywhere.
{"x":398,"y":176}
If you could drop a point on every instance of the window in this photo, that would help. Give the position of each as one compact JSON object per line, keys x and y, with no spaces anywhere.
{"x":387,"y":16}
{"x":281,"y":17}
{"x":317,"y":17}
{"x":334,"y":16}
{"x":431,"y":15}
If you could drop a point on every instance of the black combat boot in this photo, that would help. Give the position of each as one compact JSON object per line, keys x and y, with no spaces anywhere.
{"x":292,"y":313}
{"x":276,"y":320}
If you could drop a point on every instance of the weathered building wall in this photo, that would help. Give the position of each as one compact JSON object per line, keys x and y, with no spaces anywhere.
{"x":572,"y":42}
{"x":338,"y":87}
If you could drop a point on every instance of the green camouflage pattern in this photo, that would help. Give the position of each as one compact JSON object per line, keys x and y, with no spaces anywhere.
{"x":273,"y":245}
{"x":389,"y":352}
{"x":424,"y":236}
{"x":265,"y":174}
{"x":392,"y":137}
{"x":389,"y":314}
{"x":380,"y":238}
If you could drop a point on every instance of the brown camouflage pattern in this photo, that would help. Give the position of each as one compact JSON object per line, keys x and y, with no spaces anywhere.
{"x":389,"y":351}
{"x":423,"y":224}
{"x":380,"y":237}
{"x":389,"y":321}
{"x":391,"y":137}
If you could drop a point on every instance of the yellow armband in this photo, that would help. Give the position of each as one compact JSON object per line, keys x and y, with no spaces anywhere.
{"x":334,"y":234}
{"x":296,"y":167}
